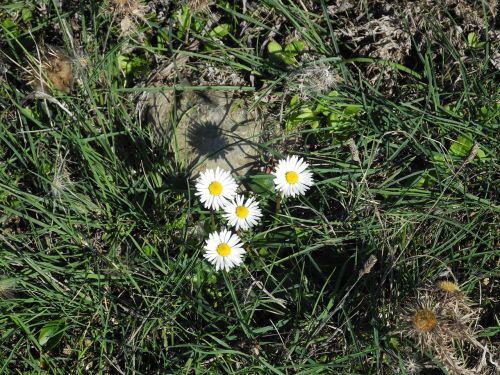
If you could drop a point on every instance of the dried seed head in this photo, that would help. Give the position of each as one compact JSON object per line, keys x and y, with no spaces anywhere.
{"x":122,"y":4}
{"x":369,"y":264}
{"x":448,"y":286}
{"x":128,"y":13}
{"x":313,"y":80}
{"x":424,"y":320}
{"x":412,"y":366}
{"x":52,"y":70}
{"x":199,"y":5}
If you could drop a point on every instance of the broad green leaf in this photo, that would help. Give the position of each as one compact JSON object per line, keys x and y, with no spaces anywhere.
{"x":26,"y":15}
{"x":334,"y":119}
{"x":8,"y":24}
{"x":132,"y":65}
{"x":294,"y":101}
{"x":220,"y":31}
{"x":264,"y":252}
{"x":323,"y":108}
{"x":184,"y":19}
{"x":305,"y":113}
{"x":438,"y":158}
{"x":353,"y":109}
{"x":11,"y":27}
{"x":277,"y":54}
{"x":261,"y":183}
{"x":295,"y":47}
{"x":474,"y":42}
{"x":273,"y":47}
{"x":149,"y":250}
{"x":472,"y":39}
{"x":287,"y":58}
{"x":462,"y":146}
{"x":124,"y":63}
{"x":51,"y":331}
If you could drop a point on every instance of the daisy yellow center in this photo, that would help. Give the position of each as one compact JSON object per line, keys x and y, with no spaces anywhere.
{"x":242,"y":212}
{"x":292,"y":177}
{"x":223,"y":249}
{"x":424,"y":320}
{"x":215,"y":188}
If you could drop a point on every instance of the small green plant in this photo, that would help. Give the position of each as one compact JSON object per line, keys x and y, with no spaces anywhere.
{"x":285,"y":55}
{"x":473,"y":41}
{"x":186,"y":22}
{"x":331,"y":113}
{"x":133,"y":65}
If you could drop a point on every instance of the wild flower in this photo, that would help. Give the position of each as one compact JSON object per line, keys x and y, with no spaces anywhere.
{"x":292,"y":176}
{"x":224,"y":250}
{"x":215,"y":188}
{"x":242,"y":214}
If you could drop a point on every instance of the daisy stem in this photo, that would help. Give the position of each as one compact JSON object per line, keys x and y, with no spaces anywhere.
{"x":212,"y":221}
{"x":278,"y":205}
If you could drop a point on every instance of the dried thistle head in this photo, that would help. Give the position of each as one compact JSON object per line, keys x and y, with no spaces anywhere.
{"x":437,"y":319}
{"x":448,"y":286}
{"x":51,"y":70}
{"x":448,"y":290}
{"x":424,"y":320}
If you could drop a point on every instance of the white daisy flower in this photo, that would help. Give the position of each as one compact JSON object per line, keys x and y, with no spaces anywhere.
{"x":215,"y":188}
{"x":224,"y":250}
{"x":292,"y":176}
{"x":241,"y":214}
